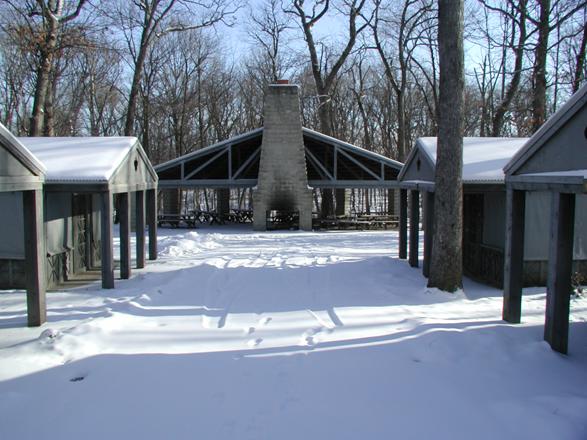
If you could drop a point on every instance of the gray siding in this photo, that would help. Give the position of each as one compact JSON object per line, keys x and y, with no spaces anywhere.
{"x":10,"y":166}
{"x":494,"y":219}
{"x":58,"y":226}
{"x":565,"y":150}
{"x":424,"y":172}
{"x":538,"y":227}
{"x":12,"y":231}
{"x":133,"y":171}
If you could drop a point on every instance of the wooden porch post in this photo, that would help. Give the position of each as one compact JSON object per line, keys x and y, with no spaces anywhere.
{"x":403,"y":224}
{"x":124,"y":216}
{"x":107,"y":240}
{"x":514,"y":255}
{"x":560,"y":261}
{"x":34,"y":239}
{"x":414,"y":227}
{"x":88,"y":234}
{"x":152,"y":222}
{"x":140,"y":226}
{"x":428,"y":231}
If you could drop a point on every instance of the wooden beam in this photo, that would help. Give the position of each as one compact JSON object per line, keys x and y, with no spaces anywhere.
{"x":428,"y":231}
{"x":560,"y":262}
{"x":152,"y":222}
{"x":359,"y":164}
{"x":34,"y":239}
{"x":88,"y":234}
{"x":403,"y":224}
{"x":414,"y":227}
{"x":513,"y":272}
{"x":577,"y":187}
{"x":140,"y":228}
{"x":107,"y":240}
{"x":124,"y":216}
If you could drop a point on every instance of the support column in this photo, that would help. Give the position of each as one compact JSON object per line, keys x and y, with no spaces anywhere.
{"x":391,"y":208}
{"x":414,"y":227}
{"x":560,"y":262}
{"x":107,"y":240}
{"x":341,"y":201}
{"x":152,"y":222}
{"x":34,"y":239}
{"x":403,"y":224}
{"x":223,"y":201}
{"x":171,"y":201}
{"x":514,"y":255}
{"x":88,"y":234}
{"x":140,"y":228}
{"x":124,"y":216}
{"x":428,"y":231}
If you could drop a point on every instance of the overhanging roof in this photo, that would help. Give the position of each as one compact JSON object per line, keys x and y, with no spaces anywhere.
{"x":483,"y":159}
{"x":86,"y":161}
{"x":330,"y":163}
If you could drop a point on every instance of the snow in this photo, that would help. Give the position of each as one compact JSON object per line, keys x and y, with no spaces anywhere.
{"x":79,"y":159}
{"x":483,"y":157}
{"x":232,"y":334}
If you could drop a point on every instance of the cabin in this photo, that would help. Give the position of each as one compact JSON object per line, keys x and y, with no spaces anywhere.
{"x":552,"y":162}
{"x":484,"y":209}
{"x":84,"y":176}
{"x":21,"y":261}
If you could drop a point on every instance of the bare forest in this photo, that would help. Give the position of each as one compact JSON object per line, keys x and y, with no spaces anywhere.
{"x":183,"y":74}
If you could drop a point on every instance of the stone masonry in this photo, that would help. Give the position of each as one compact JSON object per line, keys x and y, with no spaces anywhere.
{"x":283,"y":183}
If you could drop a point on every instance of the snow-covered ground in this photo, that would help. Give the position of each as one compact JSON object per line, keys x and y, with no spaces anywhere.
{"x":238,"y":335}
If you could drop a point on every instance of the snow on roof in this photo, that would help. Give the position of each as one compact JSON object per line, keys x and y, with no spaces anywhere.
{"x":79,"y":159}
{"x":483,"y":157}
{"x":16,"y":147}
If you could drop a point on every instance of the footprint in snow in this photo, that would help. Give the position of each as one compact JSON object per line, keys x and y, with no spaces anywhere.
{"x":254,"y":342}
{"x":265,"y":321}
{"x":308,"y":337}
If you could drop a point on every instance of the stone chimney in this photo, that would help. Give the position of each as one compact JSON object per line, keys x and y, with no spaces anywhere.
{"x":283,"y":182}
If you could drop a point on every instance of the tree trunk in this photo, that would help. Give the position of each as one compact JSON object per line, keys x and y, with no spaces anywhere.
{"x":49,"y":114}
{"x":515,"y":82}
{"x":136,"y":79}
{"x":539,"y":95}
{"x":42,"y":87}
{"x":446,"y":263}
{"x":580,"y":62}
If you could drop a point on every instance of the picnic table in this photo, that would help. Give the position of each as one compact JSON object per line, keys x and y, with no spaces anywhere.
{"x":175,"y":220}
{"x":242,"y":215}
{"x":283,"y":219}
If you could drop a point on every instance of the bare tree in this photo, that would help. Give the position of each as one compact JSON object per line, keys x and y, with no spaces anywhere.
{"x":446,"y":260}
{"x":144,"y":21}
{"x":324,"y":77}
{"x":410,"y":20}
{"x":43,"y":22}
{"x":267,"y":29}
{"x":545,"y":25}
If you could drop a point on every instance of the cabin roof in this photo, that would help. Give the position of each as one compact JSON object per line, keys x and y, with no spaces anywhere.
{"x":483,"y":157}
{"x":80,"y":159}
